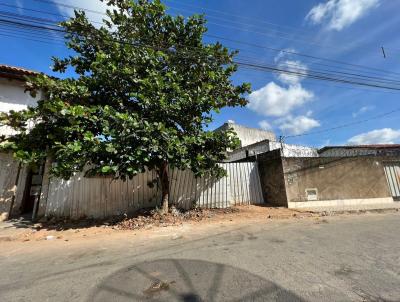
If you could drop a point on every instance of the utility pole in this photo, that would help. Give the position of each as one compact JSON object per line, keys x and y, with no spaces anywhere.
{"x":281,"y":141}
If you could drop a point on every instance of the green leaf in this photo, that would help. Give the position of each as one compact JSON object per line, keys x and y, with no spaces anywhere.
{"x":128,"y":106}
{"x":106,"y":169}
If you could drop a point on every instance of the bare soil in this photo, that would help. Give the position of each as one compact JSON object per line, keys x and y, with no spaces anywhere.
{"x":151,"y":223}
{"x":145,"y":221}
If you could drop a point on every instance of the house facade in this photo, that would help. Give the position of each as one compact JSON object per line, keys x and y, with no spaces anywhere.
{"x":19,"y":185}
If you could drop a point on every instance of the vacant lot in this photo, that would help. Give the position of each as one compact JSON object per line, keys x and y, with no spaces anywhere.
{"x":232,"y":257}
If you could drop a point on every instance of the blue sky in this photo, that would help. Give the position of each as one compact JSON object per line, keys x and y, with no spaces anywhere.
{"x":350,"y":31}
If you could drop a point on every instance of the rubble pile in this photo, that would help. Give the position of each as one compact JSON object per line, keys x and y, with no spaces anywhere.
{"x":149,"y":218}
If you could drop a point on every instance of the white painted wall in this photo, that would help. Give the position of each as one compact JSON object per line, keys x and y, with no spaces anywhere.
{"x":248,"y":136}
{"x":13,"y":97}
{"x":288,"y":150}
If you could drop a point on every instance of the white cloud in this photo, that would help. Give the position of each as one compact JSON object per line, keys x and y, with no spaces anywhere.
{"x":280,"y":100}
{"x":292,"y":66}
{"x":340,"y":13}
{"x":94,"y":9}
{"x":283,"y":53}
{"x":379,"y":136}
{"x":275,"y":100}
{"x":265,"y":125}
{"x":298,"y":125}
{"x":363,"y":110}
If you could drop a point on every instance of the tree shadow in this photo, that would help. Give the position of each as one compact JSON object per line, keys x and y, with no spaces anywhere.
{"x":187,"y":280}
{"x":62,"y":224}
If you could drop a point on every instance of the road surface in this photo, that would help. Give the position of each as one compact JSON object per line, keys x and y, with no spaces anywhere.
{"x":341,"y":258}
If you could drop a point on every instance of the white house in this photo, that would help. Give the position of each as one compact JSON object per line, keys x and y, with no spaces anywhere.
{"x":18,"y":184}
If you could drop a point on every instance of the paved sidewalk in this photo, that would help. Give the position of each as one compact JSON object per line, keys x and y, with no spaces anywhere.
{"x":356,"y":208}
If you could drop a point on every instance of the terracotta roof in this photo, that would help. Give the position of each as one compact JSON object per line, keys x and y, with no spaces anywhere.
{"x":13,"y":72}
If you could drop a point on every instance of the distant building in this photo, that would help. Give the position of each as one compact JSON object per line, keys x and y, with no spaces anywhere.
{"x":360,"y":150}
{"x":247,"y":135}
{"x":250,"y":152}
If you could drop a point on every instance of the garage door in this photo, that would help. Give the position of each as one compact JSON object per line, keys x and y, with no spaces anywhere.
{"x":392,"y":171}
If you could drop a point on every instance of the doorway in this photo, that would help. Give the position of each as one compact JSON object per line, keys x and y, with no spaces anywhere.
{"x":32,"y":190}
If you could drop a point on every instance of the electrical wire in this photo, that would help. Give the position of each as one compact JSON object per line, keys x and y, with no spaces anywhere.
{"x":311,"y":74}
{"x":379,"y":116}
{"x":269,"y":68}
{"x":236,"y":41}
{"x":49,"y":27}
{"x":295,"y":53}
{"x":237,"y":16}
{"x":279,"y":36}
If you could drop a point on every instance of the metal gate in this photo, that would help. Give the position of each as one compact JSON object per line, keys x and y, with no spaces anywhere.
{"x":392,"y":171}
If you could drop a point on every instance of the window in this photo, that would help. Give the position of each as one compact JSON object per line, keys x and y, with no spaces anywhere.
{"x":311,"y":194}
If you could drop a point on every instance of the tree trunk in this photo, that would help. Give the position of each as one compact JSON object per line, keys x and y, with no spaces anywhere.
{"x":164,"y":187}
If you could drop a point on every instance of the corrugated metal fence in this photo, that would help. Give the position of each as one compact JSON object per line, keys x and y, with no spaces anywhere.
{"x":392,"y":171}
{"x":102,"y":197}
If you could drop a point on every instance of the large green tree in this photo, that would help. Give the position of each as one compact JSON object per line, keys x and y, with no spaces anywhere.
{"x":145,"y":87}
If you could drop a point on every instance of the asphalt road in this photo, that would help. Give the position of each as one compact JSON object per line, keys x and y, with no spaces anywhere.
{"x":347,"y":258}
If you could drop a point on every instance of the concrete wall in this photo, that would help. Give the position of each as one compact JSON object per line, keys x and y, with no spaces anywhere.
{"x":288,"y":150}
{"x":250,"y":151}
{"x":272,"y":178}
{"x":358,"y":179}
{"x":348,"y":151}
{"x":248,"y":136}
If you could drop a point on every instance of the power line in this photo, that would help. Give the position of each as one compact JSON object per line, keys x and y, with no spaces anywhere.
{"x":240,"y":28}
{"x":72,"y":7}
{"x":254,"y":45}
{"x":330,"y":85}
{"x":347,"y":75}
{"x":346,"y":125}
{"x":309,"y":74}
{"x":297,"y":72}
{"x":26,"y":38}
{"x":21,"y":32}
{"x":295,"y":53}
{"x":237,"y":16}
{"x":53,"y":21}
{"x":236,"y":41}
{"x":34,"y":10}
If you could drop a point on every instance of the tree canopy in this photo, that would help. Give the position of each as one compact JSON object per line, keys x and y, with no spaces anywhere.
{"x":145,"y":88}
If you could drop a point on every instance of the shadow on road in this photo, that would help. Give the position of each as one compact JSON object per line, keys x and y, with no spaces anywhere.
{"x":187,"y":281}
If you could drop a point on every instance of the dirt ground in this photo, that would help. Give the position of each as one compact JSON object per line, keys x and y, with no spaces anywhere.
{"x":86,"y":231}
{"x":14,"y":231}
